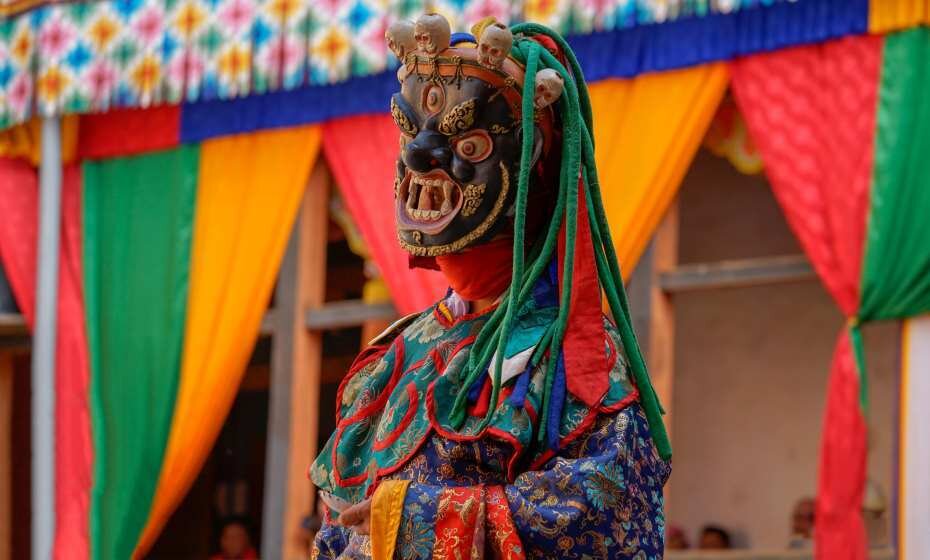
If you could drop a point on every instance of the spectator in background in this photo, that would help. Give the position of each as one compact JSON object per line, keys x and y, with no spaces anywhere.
{"x":802,"y":524}
{"x":675,"y":539}
{"x":235,"y":542}
{"x":714,"y":538}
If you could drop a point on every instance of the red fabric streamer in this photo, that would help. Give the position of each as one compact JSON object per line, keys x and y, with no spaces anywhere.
{"x":586,"y":374}
{"x":73,"y":444}
{"x":362,"y":152}
{"x":482,"y":272}
{"x":811,"y":112}
{"x":124,"y":132}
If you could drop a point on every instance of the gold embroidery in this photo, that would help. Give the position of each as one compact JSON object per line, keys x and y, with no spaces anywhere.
{"x":401,"y":120}
{"x":417,"y":237}
{"x":500,"y":129}
{"x":459,"y":118}
{"x":469,"y":237}
{"x":473,"y":195}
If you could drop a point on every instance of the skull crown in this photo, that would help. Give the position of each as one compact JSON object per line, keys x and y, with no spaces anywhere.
{"x":432,"y":34}
{"x":400,"y":38}
{"x":548,"y":88}
{"x":494,"y":45}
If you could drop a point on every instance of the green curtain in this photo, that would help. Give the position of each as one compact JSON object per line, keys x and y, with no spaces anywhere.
{"x":138,"y":214}
{"x":896,"y":265}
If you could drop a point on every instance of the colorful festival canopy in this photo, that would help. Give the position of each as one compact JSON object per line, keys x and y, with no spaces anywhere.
{"x":199,"y":124}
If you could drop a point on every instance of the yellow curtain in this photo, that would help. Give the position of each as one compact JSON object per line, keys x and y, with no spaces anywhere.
{"x":249,"y":191}
{"x":24,"y":140}
{"x":646,"y":132}
{"x":891,"y":15}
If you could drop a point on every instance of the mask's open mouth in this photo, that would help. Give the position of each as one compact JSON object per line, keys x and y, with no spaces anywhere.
{"x":427,"y":202}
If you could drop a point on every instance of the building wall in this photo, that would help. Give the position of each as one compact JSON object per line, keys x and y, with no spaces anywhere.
{"x":751,"y":372}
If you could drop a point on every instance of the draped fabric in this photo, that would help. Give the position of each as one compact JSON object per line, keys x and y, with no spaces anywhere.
{"x":24,"y":140}
{"x":646,"y":132}
{"x":138,"y":215}
{"x":361,"y":151}
{"x":248,"y":195}
{"x":896,"y":271}
{"x":689,"y":41}
{"x":74,"y":452}
{"x":891,"y":15}
{"x":811,"y":111}
{"x":18,"y":242}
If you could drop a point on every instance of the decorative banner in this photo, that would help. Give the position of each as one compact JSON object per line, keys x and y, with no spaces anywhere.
{"x":248,"y":195}
{"x":126,"y":132}
{"x":138,"y":222}
{"x":96,"y":56}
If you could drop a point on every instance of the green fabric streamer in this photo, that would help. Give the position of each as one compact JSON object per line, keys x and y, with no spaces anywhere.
{"x":896,"y":264}
{"x":577,"y":159}
{"x":855,"y":339}
{"x":138,"y":222}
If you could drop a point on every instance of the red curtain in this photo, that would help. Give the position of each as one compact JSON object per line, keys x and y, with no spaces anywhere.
{"x":811,"y":112}
{"x":361,"y":152}
{"x":73,"y":446}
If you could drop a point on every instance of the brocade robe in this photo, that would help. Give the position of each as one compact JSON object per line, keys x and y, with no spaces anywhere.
{"x":498,"y":493}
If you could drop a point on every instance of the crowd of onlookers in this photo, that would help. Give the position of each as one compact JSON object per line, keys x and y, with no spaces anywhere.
{"x":235,"y":541}
{"x":714,"y":537}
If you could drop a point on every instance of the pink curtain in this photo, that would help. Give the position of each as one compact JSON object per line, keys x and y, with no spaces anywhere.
{"x":74,"y":451}
{"x":361,"y":152}
{"x":811,"y":112}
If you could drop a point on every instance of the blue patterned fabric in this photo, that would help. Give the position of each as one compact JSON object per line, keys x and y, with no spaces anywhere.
{"x":593,"y":492}
{"x":601,"y":497}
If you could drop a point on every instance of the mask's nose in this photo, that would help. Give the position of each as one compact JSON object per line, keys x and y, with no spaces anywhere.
{"x":428,"y":151}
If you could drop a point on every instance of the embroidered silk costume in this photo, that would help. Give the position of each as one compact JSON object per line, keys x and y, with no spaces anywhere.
{"x":528,"y":429}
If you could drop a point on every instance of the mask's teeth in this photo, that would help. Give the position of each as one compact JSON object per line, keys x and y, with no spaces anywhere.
{"x":412,"y":191}
{"x":446,"y":198}
{"x":426,"y":201}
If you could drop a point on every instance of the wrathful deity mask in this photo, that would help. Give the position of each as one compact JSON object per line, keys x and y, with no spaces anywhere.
{"x":458,"y":112}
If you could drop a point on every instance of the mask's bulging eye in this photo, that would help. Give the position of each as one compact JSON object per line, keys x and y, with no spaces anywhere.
{"x":474,"y":146}
{"x":434,"y":99}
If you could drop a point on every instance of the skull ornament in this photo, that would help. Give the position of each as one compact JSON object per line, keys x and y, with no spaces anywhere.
{"x":432,"y":34}
{"x":400,"y":39}
{"x":549,"y":86}
{"x":494,"y":45}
